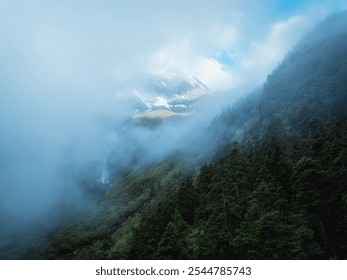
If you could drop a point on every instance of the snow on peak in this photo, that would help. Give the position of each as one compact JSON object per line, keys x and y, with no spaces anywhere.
{"x":168,"y":89}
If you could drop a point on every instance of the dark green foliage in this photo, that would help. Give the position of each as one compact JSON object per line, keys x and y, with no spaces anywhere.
{"x":291,"y":208}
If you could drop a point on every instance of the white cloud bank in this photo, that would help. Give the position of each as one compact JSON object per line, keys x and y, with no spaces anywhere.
{"x":251,"y":63}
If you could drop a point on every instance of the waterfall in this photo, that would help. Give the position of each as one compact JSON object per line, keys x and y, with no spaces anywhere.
{"x":105,"y":176}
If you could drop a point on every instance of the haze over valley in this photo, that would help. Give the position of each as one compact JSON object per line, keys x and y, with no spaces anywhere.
{"x":189,"y":130}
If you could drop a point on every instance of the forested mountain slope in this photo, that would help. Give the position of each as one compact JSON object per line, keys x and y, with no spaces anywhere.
{"x":276,"y":188}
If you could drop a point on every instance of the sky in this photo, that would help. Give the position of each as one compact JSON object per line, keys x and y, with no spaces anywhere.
{"x":220,"y":42}
{"x":61,"y":62}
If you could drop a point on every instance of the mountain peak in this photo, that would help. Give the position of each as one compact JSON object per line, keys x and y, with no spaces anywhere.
{"x":167,"y":89}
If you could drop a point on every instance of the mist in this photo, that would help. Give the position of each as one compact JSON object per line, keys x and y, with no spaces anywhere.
{"x":62,"y":64}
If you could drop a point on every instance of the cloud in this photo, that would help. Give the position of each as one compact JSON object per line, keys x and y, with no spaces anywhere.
{"x":250,"y":65}
{"x":214,"y":74}
{"x":262,"y":57}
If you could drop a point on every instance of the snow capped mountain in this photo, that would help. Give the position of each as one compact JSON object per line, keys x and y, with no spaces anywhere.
{"x":166,"y":90}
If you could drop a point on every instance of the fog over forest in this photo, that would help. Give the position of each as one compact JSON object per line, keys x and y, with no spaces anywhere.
{"x":66,"y":74}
